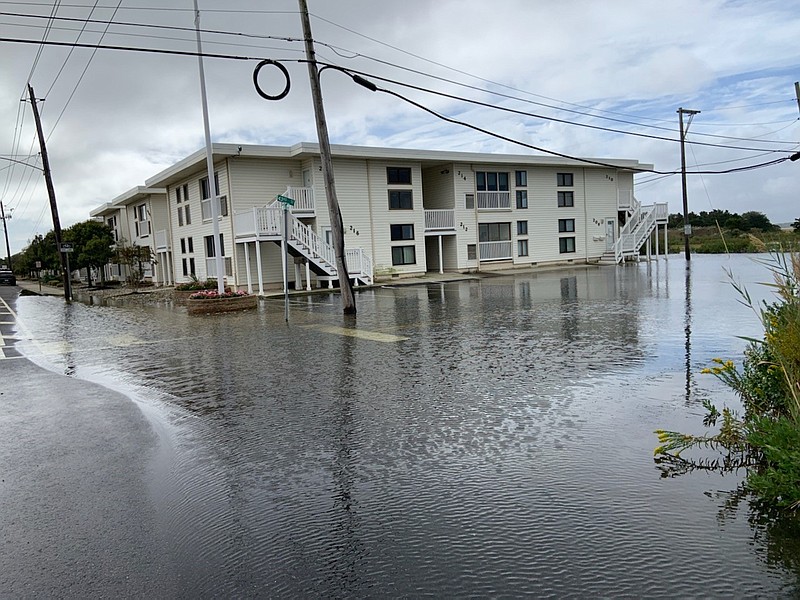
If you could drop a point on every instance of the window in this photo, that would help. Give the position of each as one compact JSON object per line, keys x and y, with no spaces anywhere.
{"x":204,"y":195}
{"x":522,"y":228}
{"x":401,"y":200}
{"x":521,"y":178}
{"x":566,"y":199}
{"x":398,"y":175}
{"x":522,"y":198}
{"x":188,"y":218}
{"x":182,"y":193}
{"x":402,"y":232}
{"x":469,"y":200}
{"x":190,"y":243}
{"x":494,"y":232}
{"x":183,"y":247}
{"x":184,"y":268}
{"x":522,"y":247}
{"x":564,"y":179}
{"x":180,"y":216}
{"x":191,"y":267}
{"x":487,"y":181}
{"x":142,"y":225}
{"x":404,"y":255}
{"x":566,"y":244}
{"x":209,"y":239}
{"x":566,"y":225}
{"x":472,"y":252}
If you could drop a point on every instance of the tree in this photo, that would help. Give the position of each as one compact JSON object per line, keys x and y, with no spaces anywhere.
{"x":796,"y":225}
{"x":757,"y":220}
{"x":92,"y":241}
{"x":134,"y":258}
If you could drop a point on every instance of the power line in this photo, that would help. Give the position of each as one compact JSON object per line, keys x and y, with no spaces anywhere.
{"x":449,"y":68}
{"x":374,"y":88}
{"x":538,"y":116}
{"x":80,"y":79}
{"x":163,"y":8}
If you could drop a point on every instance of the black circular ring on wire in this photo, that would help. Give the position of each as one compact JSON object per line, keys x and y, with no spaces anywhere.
{"x":283,"y":70}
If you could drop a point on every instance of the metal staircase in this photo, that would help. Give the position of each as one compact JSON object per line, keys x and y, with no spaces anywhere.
{"x":640,"y":224}
{"x":266,"y":223}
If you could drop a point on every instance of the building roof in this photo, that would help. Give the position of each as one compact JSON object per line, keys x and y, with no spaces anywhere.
{"x":194,"y":162}
{"x":136,"y":194}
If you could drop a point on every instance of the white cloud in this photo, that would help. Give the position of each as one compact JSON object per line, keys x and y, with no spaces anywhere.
{"x":135,"y":113}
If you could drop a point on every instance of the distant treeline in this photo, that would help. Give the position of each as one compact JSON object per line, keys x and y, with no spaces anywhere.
{"x":751,"y":220}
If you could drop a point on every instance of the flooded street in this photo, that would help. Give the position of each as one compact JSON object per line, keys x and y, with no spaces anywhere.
{"x":477,"y":438}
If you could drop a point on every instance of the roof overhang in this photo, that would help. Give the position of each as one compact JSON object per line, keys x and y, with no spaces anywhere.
{"x":195,"y":162}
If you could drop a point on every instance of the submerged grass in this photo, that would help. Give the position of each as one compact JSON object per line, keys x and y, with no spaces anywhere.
{"x":766,"y":438}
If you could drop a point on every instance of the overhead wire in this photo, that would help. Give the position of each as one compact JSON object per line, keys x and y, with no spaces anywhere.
{"x":353,"y":54}
{"x":371,"y":86}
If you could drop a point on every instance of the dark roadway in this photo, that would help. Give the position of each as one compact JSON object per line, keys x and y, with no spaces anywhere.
{"x":77,"y":510}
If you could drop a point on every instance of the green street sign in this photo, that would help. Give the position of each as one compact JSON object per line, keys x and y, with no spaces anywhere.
{"x":285,"y":200}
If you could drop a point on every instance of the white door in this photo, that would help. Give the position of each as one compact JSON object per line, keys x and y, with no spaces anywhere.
{"x":611,"y":229}
{"x":307,"y":178}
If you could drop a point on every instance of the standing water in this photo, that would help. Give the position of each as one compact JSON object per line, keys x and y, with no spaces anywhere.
{"x":478,"y":438}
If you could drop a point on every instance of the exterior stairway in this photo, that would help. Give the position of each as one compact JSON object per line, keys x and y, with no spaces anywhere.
{"x":640,"y":224}
{"x":266,"y":224}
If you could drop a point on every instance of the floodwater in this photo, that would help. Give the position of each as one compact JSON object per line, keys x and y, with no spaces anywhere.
{"x":488,"y":438}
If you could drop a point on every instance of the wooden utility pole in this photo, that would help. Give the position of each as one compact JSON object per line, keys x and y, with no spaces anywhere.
{"x":51,"y":192}
{"x":337,"y":227}
{"x":687,"y":228}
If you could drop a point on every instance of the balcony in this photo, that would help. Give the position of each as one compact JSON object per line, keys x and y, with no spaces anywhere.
{"x":500,"y":250}
{"x":162,"y":241}
{"x":440,"y":220}
{"x":303,"y":197}
{"x":211,"y":267}
{"x":222,"y":207}
{"x":494,"y":200}
{"x":262,"y":222}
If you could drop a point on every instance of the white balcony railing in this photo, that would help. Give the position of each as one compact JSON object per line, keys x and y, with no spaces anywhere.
{"x":496,"y":250}
{"x":211,"y":267}
{"x":440,"y":219}
{"x":303,"y":200}
{"x":205,"y":207}
{"x":627,"y":201}
{"x":494,"y":200}
{"x":162,"y":241}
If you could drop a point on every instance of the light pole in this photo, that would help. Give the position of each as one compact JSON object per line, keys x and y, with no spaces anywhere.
{"x":687,"y":228}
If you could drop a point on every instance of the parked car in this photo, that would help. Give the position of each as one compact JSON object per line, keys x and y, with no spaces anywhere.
{"x":7,"y":277}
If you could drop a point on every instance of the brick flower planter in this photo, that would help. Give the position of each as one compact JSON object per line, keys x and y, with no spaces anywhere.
{"x":219,"y":305}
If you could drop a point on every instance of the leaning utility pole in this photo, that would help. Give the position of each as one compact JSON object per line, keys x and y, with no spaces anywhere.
{"x":337,"y":227}
{"x":5,"y":231}
{"x":687,"y":229}
{"x":51,"y":192}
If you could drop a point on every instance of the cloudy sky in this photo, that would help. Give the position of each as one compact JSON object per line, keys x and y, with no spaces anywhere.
{"x":596,"y":79}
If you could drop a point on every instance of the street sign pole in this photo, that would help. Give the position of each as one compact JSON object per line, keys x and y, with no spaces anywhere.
{"x":287,"y":202}
{"x":65,"y":248}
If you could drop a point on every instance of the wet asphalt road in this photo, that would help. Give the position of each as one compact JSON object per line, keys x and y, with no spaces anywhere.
{"x":77,"y":518}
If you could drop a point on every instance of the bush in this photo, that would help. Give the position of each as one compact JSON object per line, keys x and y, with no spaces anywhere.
{"x":196,"y":284}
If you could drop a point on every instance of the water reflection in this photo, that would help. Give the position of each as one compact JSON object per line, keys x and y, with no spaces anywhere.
{"x":687,"y":329}
{"x":502,"y":447}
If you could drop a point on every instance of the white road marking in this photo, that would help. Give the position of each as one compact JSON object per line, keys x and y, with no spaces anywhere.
{"x":374,"y":336}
